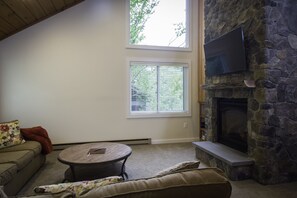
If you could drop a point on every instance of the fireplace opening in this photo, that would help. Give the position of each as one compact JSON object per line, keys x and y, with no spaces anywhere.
{"x":232,"y":123}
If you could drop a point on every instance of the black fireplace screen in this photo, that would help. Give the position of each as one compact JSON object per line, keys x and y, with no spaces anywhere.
{"x":232,"y":123}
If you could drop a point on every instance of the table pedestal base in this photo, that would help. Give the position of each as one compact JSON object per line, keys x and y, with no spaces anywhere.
{"x":89,"y":172}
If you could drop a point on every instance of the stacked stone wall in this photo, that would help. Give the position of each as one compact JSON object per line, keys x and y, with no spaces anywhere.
{"x":270,"y":29}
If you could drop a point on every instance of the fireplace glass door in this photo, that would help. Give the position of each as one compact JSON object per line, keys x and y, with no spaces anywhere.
{"x":232,"y":123}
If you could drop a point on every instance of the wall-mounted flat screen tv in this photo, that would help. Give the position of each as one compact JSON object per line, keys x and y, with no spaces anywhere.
{"x":226,"y":54}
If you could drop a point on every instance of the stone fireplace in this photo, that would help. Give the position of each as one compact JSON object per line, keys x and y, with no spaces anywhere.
{"x":270,"y":30}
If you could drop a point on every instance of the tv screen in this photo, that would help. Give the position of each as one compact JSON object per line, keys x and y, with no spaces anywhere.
{"x":226,"y":54}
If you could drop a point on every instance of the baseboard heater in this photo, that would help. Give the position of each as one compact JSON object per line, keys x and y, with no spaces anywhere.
{"x":128,"y":142}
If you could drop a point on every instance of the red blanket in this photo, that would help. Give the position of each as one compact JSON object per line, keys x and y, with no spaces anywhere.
{"x":40,"y":135}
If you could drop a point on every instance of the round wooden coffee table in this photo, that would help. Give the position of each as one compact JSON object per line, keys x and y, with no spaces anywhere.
{"x":95,"y":160}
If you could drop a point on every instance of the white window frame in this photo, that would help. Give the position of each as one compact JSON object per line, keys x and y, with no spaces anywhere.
{"x":168,"y":48}
{"x":187,"y":99}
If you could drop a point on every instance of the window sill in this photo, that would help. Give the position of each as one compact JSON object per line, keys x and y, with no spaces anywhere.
{"x":158,"y":115}
{"x":163,"y":48}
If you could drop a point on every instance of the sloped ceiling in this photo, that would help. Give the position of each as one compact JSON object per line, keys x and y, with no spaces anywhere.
{"x":16,"y":15}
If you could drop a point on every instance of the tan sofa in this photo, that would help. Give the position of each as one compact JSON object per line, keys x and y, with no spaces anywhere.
{"x":18,"y":164}
{"x":207,"y":183}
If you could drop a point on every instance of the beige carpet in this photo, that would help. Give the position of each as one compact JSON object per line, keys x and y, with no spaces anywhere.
{"x":146,"y":160}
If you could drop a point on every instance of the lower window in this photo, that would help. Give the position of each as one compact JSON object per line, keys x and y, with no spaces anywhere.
{"x":159,"y":89}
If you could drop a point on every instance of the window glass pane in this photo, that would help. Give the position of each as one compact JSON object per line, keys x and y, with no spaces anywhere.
{"x":158,"y":89}
{"x":171,"y":93}
{"x":159,"y":23}
{"x":143,"y":87}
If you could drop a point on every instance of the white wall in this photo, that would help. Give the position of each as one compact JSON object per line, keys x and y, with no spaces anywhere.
{"x":68,"y":74}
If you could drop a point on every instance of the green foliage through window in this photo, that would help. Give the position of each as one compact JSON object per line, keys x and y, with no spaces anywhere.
{"x":140,"y":11}
{"x":157,"y":88}
{"x":158,"y":23}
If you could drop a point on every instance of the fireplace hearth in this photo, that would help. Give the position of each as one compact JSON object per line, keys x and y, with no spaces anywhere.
{"x":232,"y":123}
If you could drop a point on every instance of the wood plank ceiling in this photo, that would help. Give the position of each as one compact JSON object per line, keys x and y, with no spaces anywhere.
{"x":16,"y":15}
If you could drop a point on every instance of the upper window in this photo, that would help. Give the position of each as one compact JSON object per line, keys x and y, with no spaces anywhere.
{"x":159,"y":89}
{"x":159,"y":24}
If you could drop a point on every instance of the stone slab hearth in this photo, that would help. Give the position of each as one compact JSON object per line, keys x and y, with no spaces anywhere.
{"x":236,"y":165}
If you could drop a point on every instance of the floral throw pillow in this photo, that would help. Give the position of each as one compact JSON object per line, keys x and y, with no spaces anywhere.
{"x":77,"y":188}
{"x":10,"y":134}
{"x":179,"y":167}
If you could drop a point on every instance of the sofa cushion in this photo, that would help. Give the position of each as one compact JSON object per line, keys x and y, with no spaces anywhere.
{"x":10,"y":134}
{"x":77,"y":188}
{"x":28,"y":145}
{"x":7,"y":172}
{"x":180,"y":166}
{"x":209,"y":182}
{"x":20,"y":158}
